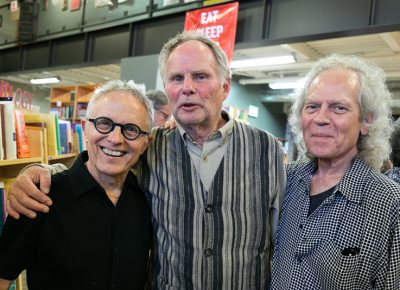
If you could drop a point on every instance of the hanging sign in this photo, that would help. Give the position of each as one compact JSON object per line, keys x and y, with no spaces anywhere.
{"x":216,"y":22}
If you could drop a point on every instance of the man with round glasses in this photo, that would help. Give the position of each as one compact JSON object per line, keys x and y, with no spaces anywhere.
{"x":98,"y":233}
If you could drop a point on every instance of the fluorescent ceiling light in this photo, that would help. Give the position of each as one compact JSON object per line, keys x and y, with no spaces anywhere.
{"x":254,"y":62}
{"x":48,"y":80}
{"x":287,"y":85}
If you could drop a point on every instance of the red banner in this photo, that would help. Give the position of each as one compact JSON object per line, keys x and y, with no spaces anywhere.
{"x":217,"y":22}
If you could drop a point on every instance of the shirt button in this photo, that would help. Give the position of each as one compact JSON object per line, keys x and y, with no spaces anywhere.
{"x":205,"y":159}
{"x":209,"y":209}
{"x":208,"y":252}
{"x":299,"y":260}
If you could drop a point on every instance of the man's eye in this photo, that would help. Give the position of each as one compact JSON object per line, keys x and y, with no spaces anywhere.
{"x":310,"y":108}
{"x":130,"y":128}
{"x":104,"y":122}
{"x":339,"y":109}
{"x":176,"y":78}
{"x":200,"y":77}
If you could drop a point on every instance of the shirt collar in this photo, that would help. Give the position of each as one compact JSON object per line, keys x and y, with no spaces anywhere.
{"x":222,"y":134}
{"x":352,"y":183}
{"x":82,"y":181}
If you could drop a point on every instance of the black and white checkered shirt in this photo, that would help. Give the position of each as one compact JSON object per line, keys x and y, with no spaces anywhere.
{"x":352,"y":241}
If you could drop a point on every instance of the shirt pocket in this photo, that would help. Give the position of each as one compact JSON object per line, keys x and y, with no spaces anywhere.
{"x":336,"y":270}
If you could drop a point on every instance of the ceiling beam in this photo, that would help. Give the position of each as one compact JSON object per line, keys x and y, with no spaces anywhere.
{"x":392,"y":39}
{"x":302,"y":50}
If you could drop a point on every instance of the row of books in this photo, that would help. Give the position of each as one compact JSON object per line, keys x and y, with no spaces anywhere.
{"x":27,"y":134}
{"x":66,"y":112}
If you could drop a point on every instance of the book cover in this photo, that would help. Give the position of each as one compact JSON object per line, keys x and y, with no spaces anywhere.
{"x":57,"y":133}
{"x":78,"y":129}
{"x":35,"y":135}
{"x":63,"y":137}
{"x":48,"y":119}
{"x":69,"y":140}
{"x":23,"y":150}
{"x":10,"y":143}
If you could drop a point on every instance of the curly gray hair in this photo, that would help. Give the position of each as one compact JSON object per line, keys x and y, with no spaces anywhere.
{"x":374,"y":102}
{"x":224,"y":69}
{"x":130,"y":87}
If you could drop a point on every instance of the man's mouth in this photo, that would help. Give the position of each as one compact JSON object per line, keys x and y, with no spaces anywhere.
{"x":113,"y":153}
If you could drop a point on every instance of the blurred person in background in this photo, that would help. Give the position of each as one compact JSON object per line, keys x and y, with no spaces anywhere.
{"x":394,"y":171}
{"x":161,"y":110}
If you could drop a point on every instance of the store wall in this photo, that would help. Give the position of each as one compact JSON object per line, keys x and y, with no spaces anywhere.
{"x":270,"y":118}
{"x":143,"y":70}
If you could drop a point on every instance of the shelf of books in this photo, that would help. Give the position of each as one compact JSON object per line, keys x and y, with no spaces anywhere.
{"x":70,"y":102}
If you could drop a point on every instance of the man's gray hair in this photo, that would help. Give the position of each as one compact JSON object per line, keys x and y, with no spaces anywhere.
{"x":158,"y":98}
{"x":373,"y":99}
{"x":224,"y":69}
{"x":131,"y":88}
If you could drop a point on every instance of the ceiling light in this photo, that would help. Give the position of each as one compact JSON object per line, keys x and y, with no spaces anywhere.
{"x":48,"y":80}
{"x":254,"y":62}
{"x":287,"y":85}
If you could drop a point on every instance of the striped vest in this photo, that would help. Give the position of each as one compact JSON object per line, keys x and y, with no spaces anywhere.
{"x":216,"y":239}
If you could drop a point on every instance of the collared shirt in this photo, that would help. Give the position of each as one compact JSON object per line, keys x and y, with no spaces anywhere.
{"x":351,"y":241}
{"x":207,"y":158}
{"x":215,"y":236}
{"x":84,"y":242}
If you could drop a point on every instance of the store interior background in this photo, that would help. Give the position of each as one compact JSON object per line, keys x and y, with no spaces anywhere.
{"x":93,"y":45}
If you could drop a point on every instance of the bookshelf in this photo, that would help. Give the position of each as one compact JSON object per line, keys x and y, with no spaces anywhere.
{"x":70,"y":102}
{"x":62,"y":102}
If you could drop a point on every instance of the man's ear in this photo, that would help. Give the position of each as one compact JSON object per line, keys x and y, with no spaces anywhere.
{"x":149,"y":139}
{"x":365,"y":124}
{"x":226,"y":87}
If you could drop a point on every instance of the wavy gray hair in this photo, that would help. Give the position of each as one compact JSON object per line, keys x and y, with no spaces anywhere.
{"x":130,"y":87}
{"x":373,"y":98}
{"x":224,"y":69}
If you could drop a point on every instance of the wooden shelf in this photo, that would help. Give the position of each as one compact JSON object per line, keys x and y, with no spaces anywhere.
{"x":63,"y":156}
{"x":20,"y":161}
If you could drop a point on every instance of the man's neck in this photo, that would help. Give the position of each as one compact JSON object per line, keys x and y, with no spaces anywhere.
{"x":200,"y":134}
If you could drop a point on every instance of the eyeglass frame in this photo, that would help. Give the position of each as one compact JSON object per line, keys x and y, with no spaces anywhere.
{"x":122,"y":126}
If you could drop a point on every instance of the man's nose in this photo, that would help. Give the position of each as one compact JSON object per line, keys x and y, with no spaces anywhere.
{"x":188,"y":86}
{"x":115,"y":136}
{"x":322,"y":116}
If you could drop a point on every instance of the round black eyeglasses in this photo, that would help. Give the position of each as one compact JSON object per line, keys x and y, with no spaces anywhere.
{"x":105,"y":125}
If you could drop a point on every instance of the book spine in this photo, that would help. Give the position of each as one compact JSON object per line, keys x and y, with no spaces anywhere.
{"x":23,"y":150}
{"x":9,"y":130}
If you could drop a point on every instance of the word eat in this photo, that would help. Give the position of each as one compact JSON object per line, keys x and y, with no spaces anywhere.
{"x":21,"y":98}
{"x":207,"y":17}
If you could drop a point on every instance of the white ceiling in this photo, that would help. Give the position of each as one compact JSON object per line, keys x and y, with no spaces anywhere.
{"x":381,"y":48}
